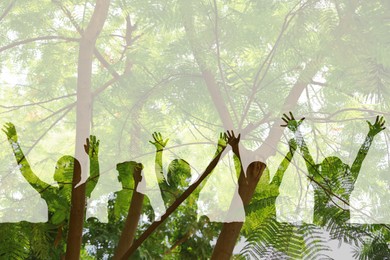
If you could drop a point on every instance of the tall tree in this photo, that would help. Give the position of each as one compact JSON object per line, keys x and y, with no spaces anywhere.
{"x":83,"y":119}
{"x":191,"y":69}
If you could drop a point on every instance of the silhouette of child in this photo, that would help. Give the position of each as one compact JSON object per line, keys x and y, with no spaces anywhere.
{"x":118,"y":209}
{"x":178,"y":175}
{"x":333,"y":180}
{"x":58,"y":199}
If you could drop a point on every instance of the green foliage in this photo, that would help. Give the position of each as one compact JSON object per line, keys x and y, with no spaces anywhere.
{"x":14,"y":242}
{"x":258,"y":52}
{"x":275,"y":240}
{"x":41,"y":241}
{"x":374,"y":248}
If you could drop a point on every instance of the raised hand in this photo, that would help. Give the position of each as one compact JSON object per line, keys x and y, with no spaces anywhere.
{"x":377,"y":126}
{"x":10,"y":131}
{"x":92,"y":146}
{"x":292,"y":145}
{"x":291,"y":123}
{"x":232,"y":140}
{"x":159,"y":143}
{"x":222,"y":141}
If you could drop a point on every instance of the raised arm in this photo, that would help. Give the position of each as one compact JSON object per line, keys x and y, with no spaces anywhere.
{"x":92,"y":149}
{"x":278,"y":177}
{"x":234,"y":141}
{"x":374,"y":129}
{"x":222,"y":142}
{"x":160,"y":144}
{"x":293,"y":125}
{"x":221,"y":146}
{"x":25,"y":168}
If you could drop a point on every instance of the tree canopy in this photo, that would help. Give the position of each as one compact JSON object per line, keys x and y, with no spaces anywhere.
{"x":122,"y":70}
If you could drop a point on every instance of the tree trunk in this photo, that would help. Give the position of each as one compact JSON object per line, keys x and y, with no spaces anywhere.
{"x":135,"y":210}
{"x":207,"y":75}
{"x":267,"y":149}
{"x":230,"y":231}
{"x":84,"y":114}
{"x":137,"y":243}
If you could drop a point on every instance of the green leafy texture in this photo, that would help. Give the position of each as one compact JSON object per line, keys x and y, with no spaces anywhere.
{"x":274,"y":240}
{"x":14,"y":242}
{"x":164,"y":91}
{"x":104,"y":237}
{"x":41,"y":242}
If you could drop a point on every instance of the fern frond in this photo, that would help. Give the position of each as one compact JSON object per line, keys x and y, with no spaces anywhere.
{"x":275,"y":240}
{"x":14,"y":243}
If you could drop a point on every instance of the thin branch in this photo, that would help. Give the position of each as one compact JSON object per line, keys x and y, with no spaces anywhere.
{"x":69,"y":108}
{"x":96,"y":52}
{"x":371,"y":111}
{"x":200,"y":119}
{"x":104,"y":86}
{"x":219,"y":59}
{"x":71,"y":105}
{"x":41,"y":38}
{"x":312,"y":67}
{"x":71,"y":19}
{"x":207,"y":75}
{"x":84,"y":12}
{"x":172,"y":208}
{"x":37,"y":103}
{"x":268,"y":60}
{"x":179,"y":242}
{"x":7,"y":10}
{"x":321,"y":84}
{"x":236,"y":73}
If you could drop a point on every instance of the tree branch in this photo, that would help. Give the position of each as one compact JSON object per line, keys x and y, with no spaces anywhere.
{"x":7,"y":10}
{"x":132,"y":219}
{"x":41,"y":38}
{"x":266,"y":149}
{"x":96,"y":52}
{"x":268,"y":60}
{"x":207,"y":75}
{"x":83,"y":124}
{"x":179,"y":242}
{"x":172,"y":208}
{"x":37,"y":103}
{"x":219,"y":58}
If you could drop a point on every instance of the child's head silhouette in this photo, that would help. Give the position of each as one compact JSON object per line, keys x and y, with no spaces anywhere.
{"x":179,"y":173}
{"x":333,"y":166}
{"x":126,"y":171}
{"x":63,"y":174}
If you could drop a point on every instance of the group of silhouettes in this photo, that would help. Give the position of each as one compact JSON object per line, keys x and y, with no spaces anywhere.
{"x":333,"y":180}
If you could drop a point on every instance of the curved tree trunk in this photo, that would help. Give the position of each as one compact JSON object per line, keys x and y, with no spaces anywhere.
{"x":230,"y":231}
{"x":133,"y":216}
{"x":137,"y":243}
{"x":84,"y":114}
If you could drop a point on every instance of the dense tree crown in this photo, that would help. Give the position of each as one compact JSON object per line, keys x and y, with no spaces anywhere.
{"x":198,"y":151}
